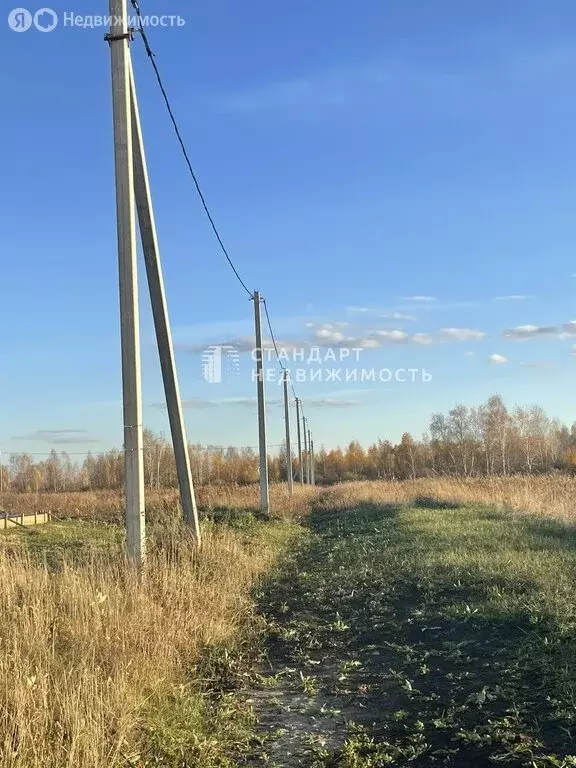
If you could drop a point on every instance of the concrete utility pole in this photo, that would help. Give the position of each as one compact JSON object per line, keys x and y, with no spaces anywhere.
{"x":128,"y":283}
{"x":300,"y":468}
{"x":264,"y":491}
{"x":309,"y":467}
{"x":151,"y":251}
{"x":289,"y":477}
{"x":312,"y":463}
{"x":305,"y":456}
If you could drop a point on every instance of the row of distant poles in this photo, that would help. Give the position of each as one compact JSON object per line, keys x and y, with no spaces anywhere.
{"x":306,"y":463}
{"x":133,"y":200}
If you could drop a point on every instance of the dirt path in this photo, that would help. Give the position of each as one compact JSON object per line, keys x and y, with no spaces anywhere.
{"x":316,"y":682}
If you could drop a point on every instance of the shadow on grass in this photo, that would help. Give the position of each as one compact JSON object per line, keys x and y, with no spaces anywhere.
{"x":349,"y":522}
{"x":419,"y":668}
{"x":553,"y":534}
{"x":427,"y":502}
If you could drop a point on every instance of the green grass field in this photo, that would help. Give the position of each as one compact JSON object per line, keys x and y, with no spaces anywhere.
{"x":422,"y":635}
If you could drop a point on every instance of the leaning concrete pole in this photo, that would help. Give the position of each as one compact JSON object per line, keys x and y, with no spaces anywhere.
{"x":153,"y":264}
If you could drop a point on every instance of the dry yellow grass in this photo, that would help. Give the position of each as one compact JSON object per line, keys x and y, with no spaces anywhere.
{"x":550,"y":495}
{"x":547,"y":495}
{"x":88,"y":652}
{"x":106,"y":506}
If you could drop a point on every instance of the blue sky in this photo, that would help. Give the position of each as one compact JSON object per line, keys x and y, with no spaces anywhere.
{"x":355,"y":156}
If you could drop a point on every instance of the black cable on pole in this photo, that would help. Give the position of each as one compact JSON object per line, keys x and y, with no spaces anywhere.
{"x":151,"y":56}
{"x":282,"y":366}
{"x":272,"y":335}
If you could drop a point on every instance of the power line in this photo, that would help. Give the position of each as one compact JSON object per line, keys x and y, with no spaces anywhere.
{"x":272,"y":335}
{"x":282,"y":366}
{"x":113,"y":451}
{"x":151,"y":56}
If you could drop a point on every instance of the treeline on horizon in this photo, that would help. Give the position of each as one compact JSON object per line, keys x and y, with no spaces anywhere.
{"x":481,"y":441}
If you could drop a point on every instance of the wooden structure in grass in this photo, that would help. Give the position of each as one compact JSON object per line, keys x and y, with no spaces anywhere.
{"x":23,"y":520}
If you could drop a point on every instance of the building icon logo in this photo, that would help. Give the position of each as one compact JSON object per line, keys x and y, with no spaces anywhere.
{"x":220,"y":362}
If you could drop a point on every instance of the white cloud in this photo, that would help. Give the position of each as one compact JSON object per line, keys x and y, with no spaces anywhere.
{"x":328,"y":335}
{"x":393,"y":337}
{"x":497,"y":359}
{"x":342,"y":335}
{"x":398,"y":316}
{"x":523,"y":332}
{"x":421,"y":299}
{"x":328,"y":332}
{"x":513,"y":297}
{"x":422,"y":338}
{"x":462,"y":334}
